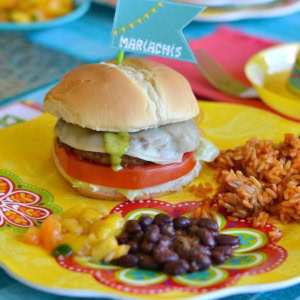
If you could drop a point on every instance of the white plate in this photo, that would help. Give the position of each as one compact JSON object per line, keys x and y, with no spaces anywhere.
{"x":227,"y":2}
{"x":277,"y":8}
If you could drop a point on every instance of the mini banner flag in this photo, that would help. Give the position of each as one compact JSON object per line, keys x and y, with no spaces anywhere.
{"x":153,"y":27}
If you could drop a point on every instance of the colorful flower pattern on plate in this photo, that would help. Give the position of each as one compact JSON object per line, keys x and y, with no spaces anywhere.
{"x":22,"y":205}
{"x":257,"y":254}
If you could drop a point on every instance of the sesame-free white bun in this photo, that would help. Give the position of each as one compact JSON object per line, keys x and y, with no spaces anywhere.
{"x":107,"y":193}
{"x":136,"y":95}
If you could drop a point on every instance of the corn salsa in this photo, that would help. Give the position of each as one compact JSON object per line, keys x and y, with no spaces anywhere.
{"x":83,"y":231}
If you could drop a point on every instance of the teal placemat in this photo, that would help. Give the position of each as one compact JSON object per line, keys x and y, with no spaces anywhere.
{"x":25,"y":66}
{"x":12,"y":290}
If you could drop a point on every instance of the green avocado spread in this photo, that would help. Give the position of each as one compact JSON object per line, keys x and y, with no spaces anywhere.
{"x":116,"y":144}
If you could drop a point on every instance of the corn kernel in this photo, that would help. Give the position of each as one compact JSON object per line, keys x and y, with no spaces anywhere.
{"x":74,"y":212}
{"x":118,"y":252}
{"x":20,"y":17}
{"x":104,"y":248}
{"x":92,"y":239}
{"x":79,"y":243}
{"x":99,"y":206}
{"x":121,"y":250}
{"x":108,"y":226}
{"x":89,"y":215}
{"x":69,"y":238}
{"x":71,"y":225}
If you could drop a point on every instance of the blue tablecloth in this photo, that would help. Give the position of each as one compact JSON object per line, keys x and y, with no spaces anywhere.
{"x":88,"y":39}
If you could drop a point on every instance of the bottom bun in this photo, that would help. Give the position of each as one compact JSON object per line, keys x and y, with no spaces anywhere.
{"x":107,"y":193}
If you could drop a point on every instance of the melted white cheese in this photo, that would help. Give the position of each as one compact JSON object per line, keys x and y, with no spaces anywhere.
{"x":162,"y":145}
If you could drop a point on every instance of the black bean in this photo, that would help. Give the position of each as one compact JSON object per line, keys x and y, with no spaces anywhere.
{"x":176,"y":267}
{"x":181,"y":246}
{"x":199,"y":261}
{"x":206,"y":237}
{"x":202,"y":249}
{"x":162,"y":219}
{"x":165,"y":241}
{"x":218,"y":257}
{"x":226,"y":250}
{"x":133,"y":226}
{"x":181,"y":222}
{"x":163,"y":255}
{"x":193,"y":230}
{"x":145,"y":221}
{"x":137,"y":237}
{"x":194,"y":222}
{"x":123,"y":238}
{"x":147,"y":262}
{"x":152,"y":233}
{"x":168,"y":230}
{"x":127,"y":261}
{"x":159,"y":249}
{"x":214,"y":233}
{"x":227,"y":240}
{"x":208,"y":224}
{"x":134,"y":246}
{"x":147,"y":246}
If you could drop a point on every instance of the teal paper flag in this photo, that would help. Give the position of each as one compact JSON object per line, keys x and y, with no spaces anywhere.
{"x":153,"y":27}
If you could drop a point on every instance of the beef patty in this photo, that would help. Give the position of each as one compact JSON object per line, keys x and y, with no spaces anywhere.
{"x":102,"y":158}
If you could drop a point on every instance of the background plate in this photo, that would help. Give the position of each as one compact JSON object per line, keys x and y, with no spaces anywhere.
{"x":266,"y":266}
{"x":81,"y":7}
{"x":273,"y":9}
{"x":268,"y":71}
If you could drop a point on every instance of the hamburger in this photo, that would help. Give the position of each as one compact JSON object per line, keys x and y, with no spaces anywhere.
{"x":126,"y":131}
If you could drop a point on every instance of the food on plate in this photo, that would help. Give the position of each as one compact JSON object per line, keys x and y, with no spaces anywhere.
{"x":22,"y":11}
{"x":127,"y":131}
{"x":176,"y":245}
{"x":259,"y":181}
{"x":81,"y":230}
{"x":173,"y":245}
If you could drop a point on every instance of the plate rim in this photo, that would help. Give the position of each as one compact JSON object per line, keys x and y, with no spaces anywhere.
{"x":225,"y":292}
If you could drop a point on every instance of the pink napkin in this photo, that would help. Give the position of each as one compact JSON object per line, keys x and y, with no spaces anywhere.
{"x":231,"y":49}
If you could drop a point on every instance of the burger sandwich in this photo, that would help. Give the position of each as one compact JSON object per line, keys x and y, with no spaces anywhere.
{"x":126,"y":131}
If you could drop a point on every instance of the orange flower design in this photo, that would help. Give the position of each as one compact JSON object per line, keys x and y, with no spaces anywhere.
{"x":18,"y":207}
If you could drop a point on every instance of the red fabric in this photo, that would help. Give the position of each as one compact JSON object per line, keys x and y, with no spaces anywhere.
{"x":231,"y":49}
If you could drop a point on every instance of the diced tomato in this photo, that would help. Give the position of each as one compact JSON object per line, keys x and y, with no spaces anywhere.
{"x":32,"y":236}
{"x":51,"y":232}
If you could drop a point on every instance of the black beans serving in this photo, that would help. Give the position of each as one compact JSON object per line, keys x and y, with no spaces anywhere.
{"x":175,"y":246}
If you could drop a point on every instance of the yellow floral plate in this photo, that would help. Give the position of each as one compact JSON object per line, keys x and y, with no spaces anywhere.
{"x":268,"y":71}
{"x":31,"y":189}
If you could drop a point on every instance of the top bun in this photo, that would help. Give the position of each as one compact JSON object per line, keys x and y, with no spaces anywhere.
{"x":136,"y":95}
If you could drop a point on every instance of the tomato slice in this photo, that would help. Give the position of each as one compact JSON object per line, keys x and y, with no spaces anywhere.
{"x":130,"y":177}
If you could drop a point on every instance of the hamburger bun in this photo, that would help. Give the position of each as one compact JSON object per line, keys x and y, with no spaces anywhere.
{"x":136,"y":95}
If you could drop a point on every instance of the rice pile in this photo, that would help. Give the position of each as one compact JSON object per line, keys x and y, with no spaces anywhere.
{"x":259,"y":181}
